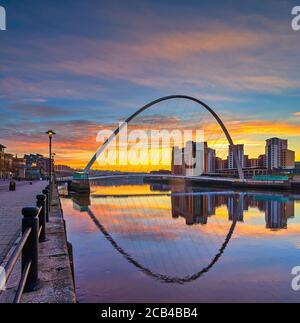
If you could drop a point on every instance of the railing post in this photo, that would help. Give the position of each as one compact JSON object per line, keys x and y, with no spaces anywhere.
{"x":30,"y":250}
{"x":41,"y":203}
{"x":46,"y":193}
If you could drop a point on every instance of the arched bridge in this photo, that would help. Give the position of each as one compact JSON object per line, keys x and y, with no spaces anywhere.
{"x":156,"y":102}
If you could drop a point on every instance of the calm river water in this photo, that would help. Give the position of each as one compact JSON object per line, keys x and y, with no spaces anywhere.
{"x":136,"y":242}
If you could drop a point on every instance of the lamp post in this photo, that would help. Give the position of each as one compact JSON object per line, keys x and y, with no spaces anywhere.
{"x":50,"y":134}
{"x":52,"y":164}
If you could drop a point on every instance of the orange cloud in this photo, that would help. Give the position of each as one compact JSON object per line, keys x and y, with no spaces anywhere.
{"x":76,"y":143}
{"x":177,"y":45}
{"x":268,"y":127}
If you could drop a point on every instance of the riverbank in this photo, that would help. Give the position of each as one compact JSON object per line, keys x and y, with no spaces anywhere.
{"x":11,"y":204}
{"x":56,"y":284}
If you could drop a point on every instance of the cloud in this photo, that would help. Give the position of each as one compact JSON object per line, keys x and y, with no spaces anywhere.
{"x":38,"y":111}
{"x":215,"y":60}
{"x":39,"y":90}
{"x":137,"y":55}
{"x":171,"y":46}
{"x":211,"y":60}
{"x":269,"y":81}
{"x":75,"y":141}
{"x":264,"y":127}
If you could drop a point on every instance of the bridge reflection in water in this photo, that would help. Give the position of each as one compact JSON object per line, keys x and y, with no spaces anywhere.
{"x":176,"y":234}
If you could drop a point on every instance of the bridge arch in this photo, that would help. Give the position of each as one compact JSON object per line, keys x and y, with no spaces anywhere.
{"x":166,"y":98}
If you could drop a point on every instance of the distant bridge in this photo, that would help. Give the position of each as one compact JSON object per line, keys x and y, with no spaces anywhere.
{"x":153,"y":103}
{"x":155,"y":176}
{"x":205,"y":180}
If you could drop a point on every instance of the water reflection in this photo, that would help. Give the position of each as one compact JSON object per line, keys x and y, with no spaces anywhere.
{"x":151,"y":273}
{"x":175,"y":234}
{"x":197,"y":208}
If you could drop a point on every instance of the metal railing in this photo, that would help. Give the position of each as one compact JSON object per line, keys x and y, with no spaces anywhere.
{"x":33,"y":232}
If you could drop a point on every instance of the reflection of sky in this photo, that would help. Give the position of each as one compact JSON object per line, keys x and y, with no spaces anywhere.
{"x":256,"y":264}
{"x":79,"y":66}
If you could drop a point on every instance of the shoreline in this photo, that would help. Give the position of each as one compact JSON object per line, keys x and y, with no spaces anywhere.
{"x":56,"y":280}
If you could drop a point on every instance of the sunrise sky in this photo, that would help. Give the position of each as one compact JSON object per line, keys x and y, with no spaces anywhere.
{"x":81,"y":66}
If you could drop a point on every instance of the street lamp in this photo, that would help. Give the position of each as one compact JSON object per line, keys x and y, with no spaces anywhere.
{"x":50,"y":134}
{"x":52,"y":164}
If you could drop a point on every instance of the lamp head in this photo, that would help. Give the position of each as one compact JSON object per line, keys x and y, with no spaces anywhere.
{"x":50,"y":133}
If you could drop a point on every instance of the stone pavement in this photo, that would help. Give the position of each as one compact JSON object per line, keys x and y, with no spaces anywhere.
{"x":56,"y":283}
{"x":11,"y":204}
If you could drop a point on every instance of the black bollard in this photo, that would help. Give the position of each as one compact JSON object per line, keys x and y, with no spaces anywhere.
{"x":41,"y":203}
{"x":30,"y":250}
{"x":12,"y":186}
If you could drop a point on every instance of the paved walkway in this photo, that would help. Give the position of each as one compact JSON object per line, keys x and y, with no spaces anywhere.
{"x":56,"y":283}
{"x":11,"y":204}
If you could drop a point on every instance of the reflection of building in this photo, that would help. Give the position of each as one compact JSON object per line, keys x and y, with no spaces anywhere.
{"x":81,"y":202}
{"x":159,"y":187}
{"x":235,"y":208}
{"x":194,"y":208}
{"x":197,"y":208}
{"x":277,"y":214}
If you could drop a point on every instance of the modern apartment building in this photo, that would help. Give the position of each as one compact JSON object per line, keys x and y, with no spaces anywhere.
{"x":190,"y":160}
{"x":209,"y":159}
{"x":288,"y":159}
{"x":278,"y":156}
{"x":240,"y":154}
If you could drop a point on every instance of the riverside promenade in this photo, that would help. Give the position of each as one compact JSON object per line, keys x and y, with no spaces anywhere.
{"x":11,"y":204}
{"x":55,"y":271}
